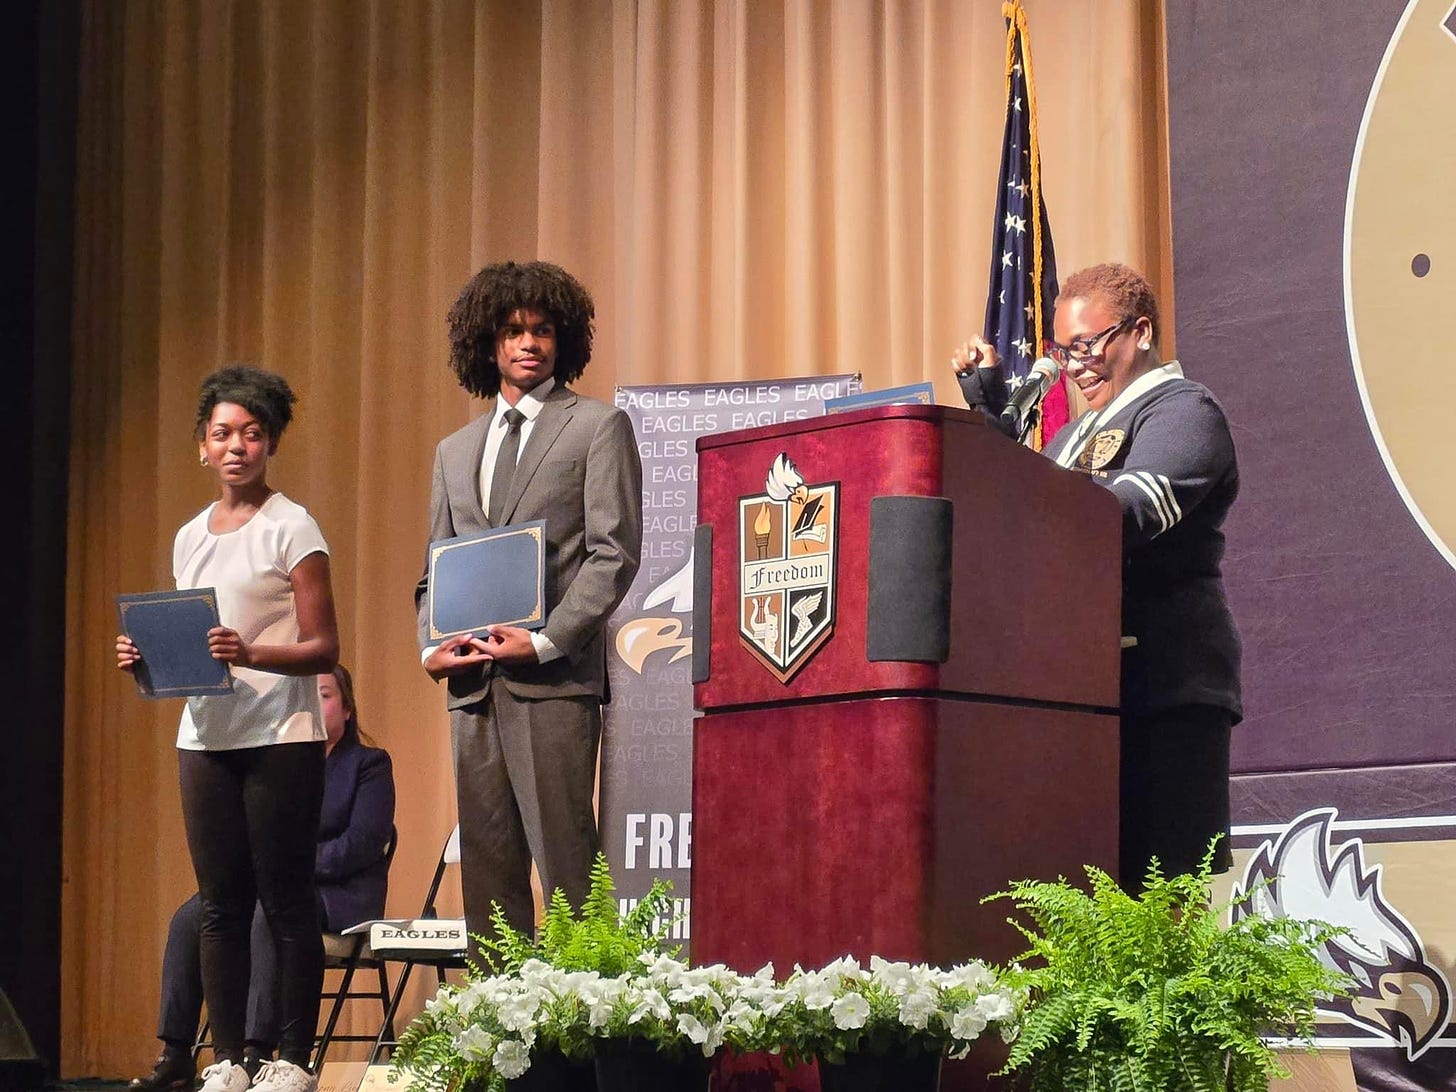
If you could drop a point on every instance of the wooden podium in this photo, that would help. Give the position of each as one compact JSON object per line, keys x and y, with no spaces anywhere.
{"x":940,"y":721}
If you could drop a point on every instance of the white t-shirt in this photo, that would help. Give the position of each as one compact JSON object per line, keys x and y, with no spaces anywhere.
{"x":250,"y":569}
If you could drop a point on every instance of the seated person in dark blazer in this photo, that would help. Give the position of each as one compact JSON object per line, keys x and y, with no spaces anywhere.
{"x":355,"y":827}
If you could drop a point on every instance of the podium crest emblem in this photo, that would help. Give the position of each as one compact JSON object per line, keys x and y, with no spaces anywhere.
{"x":788,"y":547}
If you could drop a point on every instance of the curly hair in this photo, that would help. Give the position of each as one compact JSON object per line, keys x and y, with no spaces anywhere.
{"x":488,"y":301}
{"x":267,"y":396}
{"x":1121,"y":287}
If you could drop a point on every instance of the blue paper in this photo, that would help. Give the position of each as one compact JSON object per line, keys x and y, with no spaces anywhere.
{"x":169,"y":629}
{"x":493,"y":578}
{"x":913,"y":394}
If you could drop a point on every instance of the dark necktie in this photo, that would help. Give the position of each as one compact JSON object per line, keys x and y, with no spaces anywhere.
{"x":505,"y":467}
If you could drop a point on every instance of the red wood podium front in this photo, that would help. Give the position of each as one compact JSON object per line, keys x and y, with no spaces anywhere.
{"x":866,"y":807}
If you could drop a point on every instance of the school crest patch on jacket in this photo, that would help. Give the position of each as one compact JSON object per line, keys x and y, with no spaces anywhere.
{"x":1101,"y":449}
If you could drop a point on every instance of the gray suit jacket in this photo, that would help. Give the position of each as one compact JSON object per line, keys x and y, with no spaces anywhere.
{"x":580,"y":472}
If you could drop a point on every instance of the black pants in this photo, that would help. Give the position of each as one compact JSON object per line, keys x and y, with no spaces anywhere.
{"x":1175,"y":791}
{"x":182,"y":980}
{"x":252,"y":820}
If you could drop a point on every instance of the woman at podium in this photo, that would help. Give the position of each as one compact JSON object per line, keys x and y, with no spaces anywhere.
{"x":1160,"y":443}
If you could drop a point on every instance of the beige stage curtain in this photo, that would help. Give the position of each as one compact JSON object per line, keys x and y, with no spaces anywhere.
{"x":751,"y":188}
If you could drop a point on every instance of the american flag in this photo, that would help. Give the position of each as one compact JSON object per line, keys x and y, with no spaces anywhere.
{"x":1023,"y":287}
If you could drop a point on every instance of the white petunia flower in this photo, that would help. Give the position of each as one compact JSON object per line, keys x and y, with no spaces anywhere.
{"x":815,"y":993}
{"x":689,"y":991}
{"x":474,"y":1043}
{"x":968,"y":1023}
{"x":916,"y":1008}
{"x":534,"y":970}
{"x":599,"y":1015}
{"x":468,"y":998}
{"x":650,"y":1003}
{"x":843,"y":969}
{"x":713,"y":1041}
{"x":975,"y":976}
{"x":511,"y":1059}
{"x":577,"y":982}
{"x":661,"y":965}
{"x":850,"y":1011}
{"x":518,"y":1013}
{"x":893,"y":976}
{"x":692,"y":1027}
{"x":741,"y":1014}
{"x":442,"y":1004}
{"x":995,"y":1006}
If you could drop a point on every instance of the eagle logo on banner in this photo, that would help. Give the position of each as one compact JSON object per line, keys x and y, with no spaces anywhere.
{"x":788,"y":542}
{"x":641,"y":637}
{"x":1399,"y":995}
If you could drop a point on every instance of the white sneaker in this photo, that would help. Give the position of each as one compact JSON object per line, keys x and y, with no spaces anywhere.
{"x":281,"y":1076}
{"x":224,"y":1077}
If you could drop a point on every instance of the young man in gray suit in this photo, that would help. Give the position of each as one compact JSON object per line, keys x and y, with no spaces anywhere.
{"x":525,"y":707}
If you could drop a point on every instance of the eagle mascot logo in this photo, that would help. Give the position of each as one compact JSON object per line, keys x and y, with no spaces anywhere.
{"x":1399,"y":994}
{"x":641,"y":637}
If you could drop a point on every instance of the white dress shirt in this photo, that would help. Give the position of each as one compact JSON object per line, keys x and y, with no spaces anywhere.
{"x":531,"y":404}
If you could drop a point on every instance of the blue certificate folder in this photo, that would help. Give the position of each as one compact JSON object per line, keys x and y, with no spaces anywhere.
{"x":493,"y":578}
{"x":169,"y":629}
{"x":914,"y":394}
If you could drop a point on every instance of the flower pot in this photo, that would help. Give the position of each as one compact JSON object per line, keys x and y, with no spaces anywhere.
{"x":881,"y":1073}
{"x":552,"y":1071}
{"x":630,"y":1065}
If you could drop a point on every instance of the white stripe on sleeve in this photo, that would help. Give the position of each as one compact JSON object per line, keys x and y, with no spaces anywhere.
{"x":1164,"y":508}
{"x":1172,"y":500}
{"x":1151,"y":493}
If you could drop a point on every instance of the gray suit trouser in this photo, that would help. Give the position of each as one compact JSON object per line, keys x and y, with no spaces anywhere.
{"x":524,"y":777}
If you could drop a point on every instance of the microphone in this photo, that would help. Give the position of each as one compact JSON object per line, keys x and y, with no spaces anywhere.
{"x":1020,"y":411}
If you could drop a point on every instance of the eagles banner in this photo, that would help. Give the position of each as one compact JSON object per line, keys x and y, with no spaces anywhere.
{"x":646,"y":795}
{"x":1313,"y":159}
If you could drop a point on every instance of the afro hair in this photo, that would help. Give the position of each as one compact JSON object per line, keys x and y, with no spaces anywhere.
{"x":487,"y":303}
{"x":267,"y":396}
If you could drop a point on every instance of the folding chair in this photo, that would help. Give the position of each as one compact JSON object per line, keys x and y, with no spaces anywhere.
{"x":390,"y":942}
{"x":350,"y":952}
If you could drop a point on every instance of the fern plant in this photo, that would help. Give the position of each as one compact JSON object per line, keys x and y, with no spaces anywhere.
{"x":1152,"y":994}
{"x":535,"y":997}
{"x":598,"y":938}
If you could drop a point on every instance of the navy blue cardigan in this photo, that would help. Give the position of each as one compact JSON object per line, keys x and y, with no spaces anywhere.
{"x":354,"y":831}
{"x":1168,"y":457}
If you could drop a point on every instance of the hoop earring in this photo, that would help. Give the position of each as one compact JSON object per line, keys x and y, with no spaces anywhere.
{"x":202,"y":460}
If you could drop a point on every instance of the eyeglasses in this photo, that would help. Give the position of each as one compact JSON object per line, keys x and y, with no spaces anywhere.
{"x":1086,"y":348}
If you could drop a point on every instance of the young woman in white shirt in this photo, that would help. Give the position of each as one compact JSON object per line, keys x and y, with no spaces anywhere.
{"x":251,"y":764}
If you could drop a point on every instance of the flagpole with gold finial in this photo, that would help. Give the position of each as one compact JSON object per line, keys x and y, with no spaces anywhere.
{"x":1015,"y":16}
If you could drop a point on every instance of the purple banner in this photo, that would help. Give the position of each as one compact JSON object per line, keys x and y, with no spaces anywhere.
{"x":1315,"y":265}
{"x":646,"y":788}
